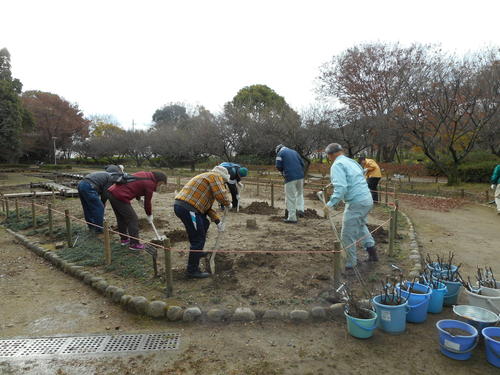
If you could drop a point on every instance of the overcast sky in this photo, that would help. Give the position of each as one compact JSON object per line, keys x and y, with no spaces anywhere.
{"x":128,"y":58}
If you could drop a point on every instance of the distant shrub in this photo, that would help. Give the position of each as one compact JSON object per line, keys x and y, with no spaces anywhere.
{"x":477,"y":171}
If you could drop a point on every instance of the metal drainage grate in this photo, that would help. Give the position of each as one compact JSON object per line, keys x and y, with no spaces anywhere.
{"x":51,"y":346}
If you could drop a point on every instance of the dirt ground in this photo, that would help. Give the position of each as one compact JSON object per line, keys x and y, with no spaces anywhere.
{"x":471,"y":231}
{"x":28,"y":286}
{"x":284,"y":281}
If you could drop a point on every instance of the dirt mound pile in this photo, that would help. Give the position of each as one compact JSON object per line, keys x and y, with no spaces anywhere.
{"x":159,"y":223}
{"x":177,"y":235}
{"x":259,"y":208}
{"x":380,"y":235}
{"x":310,"y":213}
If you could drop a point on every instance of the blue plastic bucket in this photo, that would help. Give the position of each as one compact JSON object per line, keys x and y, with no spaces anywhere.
{"x":391,"y":319}
{"x":361,"y":328}
{"x":438,"y":271}
{"x":453,"y":290}
{"x":437,"y":299}
{"x":492,"y":346}
{"x":418,"y":303}
{"x":457,"y":347}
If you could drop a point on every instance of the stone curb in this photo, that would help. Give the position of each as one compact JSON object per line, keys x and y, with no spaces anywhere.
{"x":415,"y":255}
{"x":160,"y":310}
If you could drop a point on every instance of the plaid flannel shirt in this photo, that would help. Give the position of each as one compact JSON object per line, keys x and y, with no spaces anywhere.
{"x":202,"y":191}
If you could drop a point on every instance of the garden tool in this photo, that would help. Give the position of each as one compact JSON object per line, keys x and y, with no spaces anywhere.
{"x":321,"y":197}
{"x":158,"y":237}
{"x":210,"y":258}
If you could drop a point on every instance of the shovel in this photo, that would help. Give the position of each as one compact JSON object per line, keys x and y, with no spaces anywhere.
{"x":210,"y":259}
{"x":158,"y":237}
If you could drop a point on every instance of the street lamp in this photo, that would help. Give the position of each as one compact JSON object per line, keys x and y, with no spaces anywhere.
{"x":55,"y":159}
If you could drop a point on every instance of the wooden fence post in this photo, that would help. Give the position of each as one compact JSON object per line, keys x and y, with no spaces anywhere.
{"x":487,"y":196}
{"x":169,"y":290}
{"x":272,"y":194}
{"x":68,"y":228}
{"x":258,"y":183}
{"x":51,"y":225}
{"x":336,"y":264}
{"x":386,"y":192}
{"x":7,"y":207}
{"x":53,"y":197}
{"x":107,"y":244}
{"x":17,"y":210}
{"x":33,"y":213}
{"x":396,"y":209}
{"x":462,"y":193}
{"x":3,"y":203}
{"x":178,"y":183}
{"x":391,"y":233}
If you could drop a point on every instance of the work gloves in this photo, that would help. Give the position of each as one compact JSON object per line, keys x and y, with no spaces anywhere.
{"x":493,"y":187}
{"x":230,"y":206}
{"x":150,"y":219}
{"x":220,"y":226}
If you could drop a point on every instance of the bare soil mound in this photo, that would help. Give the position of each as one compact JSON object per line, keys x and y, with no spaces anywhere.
{"x":259,"y":208}
{"x":159,"y":223}
{"x":177,"y":235}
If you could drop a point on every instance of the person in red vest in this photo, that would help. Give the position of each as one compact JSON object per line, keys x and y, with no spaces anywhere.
{"x":134,"y":186}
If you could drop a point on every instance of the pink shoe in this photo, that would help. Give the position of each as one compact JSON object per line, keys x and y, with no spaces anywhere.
{"x":137,"y":247}
{"x":125,"y":242}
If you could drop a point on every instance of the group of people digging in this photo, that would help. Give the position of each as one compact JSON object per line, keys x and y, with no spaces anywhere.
{"x":193,"y":204}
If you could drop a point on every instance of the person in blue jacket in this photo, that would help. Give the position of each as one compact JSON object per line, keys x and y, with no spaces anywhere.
{"x":349,"y":185}
{"x":291,"y":166}
{"x":236,"y":172}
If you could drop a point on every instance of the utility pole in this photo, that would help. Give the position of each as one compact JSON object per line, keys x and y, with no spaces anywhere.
{"x":55,"y":157}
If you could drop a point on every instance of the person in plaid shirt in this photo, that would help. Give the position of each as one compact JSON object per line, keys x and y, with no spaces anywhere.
{"x":193,"y":204}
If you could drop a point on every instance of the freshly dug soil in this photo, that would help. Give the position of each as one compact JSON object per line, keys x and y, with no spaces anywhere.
{"x":259,"y":208}
{"x":380,"y":235}
{"x":177,"y":235}
{"x":309,"y":213}
{"x":390,"y":302}
{"x":456,"y":332}
{"x":159,"y":224}
{"x":360,"y":314}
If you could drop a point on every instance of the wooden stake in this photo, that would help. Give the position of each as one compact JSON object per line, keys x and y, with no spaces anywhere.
{"x":462,"y":193}
{"x":336,"y":264}
{"x":169,"y":290}
{"x":68,"y":228}
{"x":53,"y":197}
{"x":51,"y":225}
{"x":386,"y":192}
{"x":391,"y":233}
{"x":17,"y":210}
{"x":107,"y":244}
{"x":272,"y":194}
{"x":258,"y":184}
{"x":487,"y":196}
{"x":3,"y":203}
{"x":33,"y":213}
{"x":396,"y":209}
{"x":178,"y":183}
{"x":7,"y":207}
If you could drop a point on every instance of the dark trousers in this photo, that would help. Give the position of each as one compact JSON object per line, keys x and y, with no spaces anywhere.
{"x":127,"y":220}
{"x":373,"y":186}
{"x":196,"y":227}
{"x":93,"y":208}
{"x":233,"y":189}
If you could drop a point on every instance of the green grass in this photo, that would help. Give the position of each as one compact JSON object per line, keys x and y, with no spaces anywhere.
{"x":89,"y":251}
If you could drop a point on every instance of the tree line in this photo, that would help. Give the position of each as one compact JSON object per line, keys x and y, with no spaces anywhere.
{"x":375,"y":99}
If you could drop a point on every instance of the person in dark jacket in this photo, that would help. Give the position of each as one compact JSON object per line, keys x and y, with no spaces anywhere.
{"x":236,"y":172}
{"x":120,"y":196}
{"x":93,"y":193}
{"x":291,"y":166}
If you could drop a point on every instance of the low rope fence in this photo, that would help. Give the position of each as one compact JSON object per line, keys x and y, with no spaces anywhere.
{"x":338,"y":247}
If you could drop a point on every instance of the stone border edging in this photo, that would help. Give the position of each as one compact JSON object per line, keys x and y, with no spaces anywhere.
{"x":415,"y":255}
{"x":160,"y":310}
